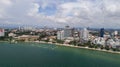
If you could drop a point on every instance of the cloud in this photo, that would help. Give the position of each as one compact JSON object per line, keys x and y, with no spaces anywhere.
{"x":58,"y":13}
{"x":34,"y":10}
{"x":4,"y":5}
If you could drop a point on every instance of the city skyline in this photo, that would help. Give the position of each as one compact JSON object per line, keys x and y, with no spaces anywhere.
{"x":58,"y":13}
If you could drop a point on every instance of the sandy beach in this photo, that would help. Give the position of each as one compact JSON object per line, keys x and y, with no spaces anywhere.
{"x":103,"y":50}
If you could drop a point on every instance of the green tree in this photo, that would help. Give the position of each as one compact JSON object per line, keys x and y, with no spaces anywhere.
{"x":72,"y":42}
{"x":107,"y":47}
{"x":101,"y":47}
{"x":95,"y":46}
{"x":60,"y":41}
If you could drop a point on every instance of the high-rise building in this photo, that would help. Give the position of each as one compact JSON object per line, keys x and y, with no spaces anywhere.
{"x":60,"y":35}
{"x":67,"y":32}
{"x":102,"y":32}
{"x":115,"y":33}
{"x":19,"y":28}
{"x":84,"y":34}
{"x":2,"y":32}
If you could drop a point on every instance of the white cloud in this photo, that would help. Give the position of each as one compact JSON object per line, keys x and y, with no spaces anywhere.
{"x":82,"y":13}
{"x":34,"y":10}
{"x":4,"y":4}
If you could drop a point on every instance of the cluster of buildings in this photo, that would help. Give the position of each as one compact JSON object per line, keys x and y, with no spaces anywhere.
{"x":28,"y":34}
{"x":103,"y":38}
{"x":112,"y":40}
{"x":67,"y":34}
{"x":73,"y":34}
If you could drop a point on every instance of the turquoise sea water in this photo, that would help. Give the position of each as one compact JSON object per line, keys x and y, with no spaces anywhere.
{"x":47,"y":55}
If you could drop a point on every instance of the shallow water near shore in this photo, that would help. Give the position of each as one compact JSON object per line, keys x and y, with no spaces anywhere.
{"x":48,"y":55}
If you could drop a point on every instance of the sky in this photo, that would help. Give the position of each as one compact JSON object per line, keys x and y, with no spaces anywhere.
{"x":59,"y":13}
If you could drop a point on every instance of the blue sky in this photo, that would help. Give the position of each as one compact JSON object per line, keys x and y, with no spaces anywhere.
{"x":58,"y":13}
{"x":49,"y":10}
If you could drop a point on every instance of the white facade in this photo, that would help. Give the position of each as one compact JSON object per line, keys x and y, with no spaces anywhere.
{"x":11,"y":35}
{"x":84,"y":34}
{"x":99,"y":40}
{"x":115,"y":32}
{"x":60,"y":35}
{"x":65,"y":34}
{"x":111,"y":42}
{"x":2,"y":32}
{"x":27,"y":28}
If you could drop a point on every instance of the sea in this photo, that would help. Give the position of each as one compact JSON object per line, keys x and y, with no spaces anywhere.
{"x":50,"y":55}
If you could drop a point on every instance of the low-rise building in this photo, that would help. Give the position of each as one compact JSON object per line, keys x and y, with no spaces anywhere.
{"x":28,"y":38}
{"x":11,"y":35}
{"x":99,"y":41}
{"x":2,"y":32}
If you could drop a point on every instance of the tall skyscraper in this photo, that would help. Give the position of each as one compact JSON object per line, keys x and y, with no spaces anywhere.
{"x":84,"y":34}
{"x":67,"y":32}
{"x":115,"y":33}
{"x":102,"y":32}
{"x":19,"y":28}
{"x":60,"y":35}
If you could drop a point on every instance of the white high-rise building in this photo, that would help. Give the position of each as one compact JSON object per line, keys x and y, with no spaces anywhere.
{"x":84,"y":34}
{"x":19,"y":28}
{"x":2,"y":32}
{"x":66,"y":33}
{"x":60,"y":35}
{"x":115,"y":32}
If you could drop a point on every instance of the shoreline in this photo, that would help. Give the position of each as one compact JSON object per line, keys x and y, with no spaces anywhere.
{"x":72,"y":46}
{"x":80,"y":47}
{"x":103,"y":50}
